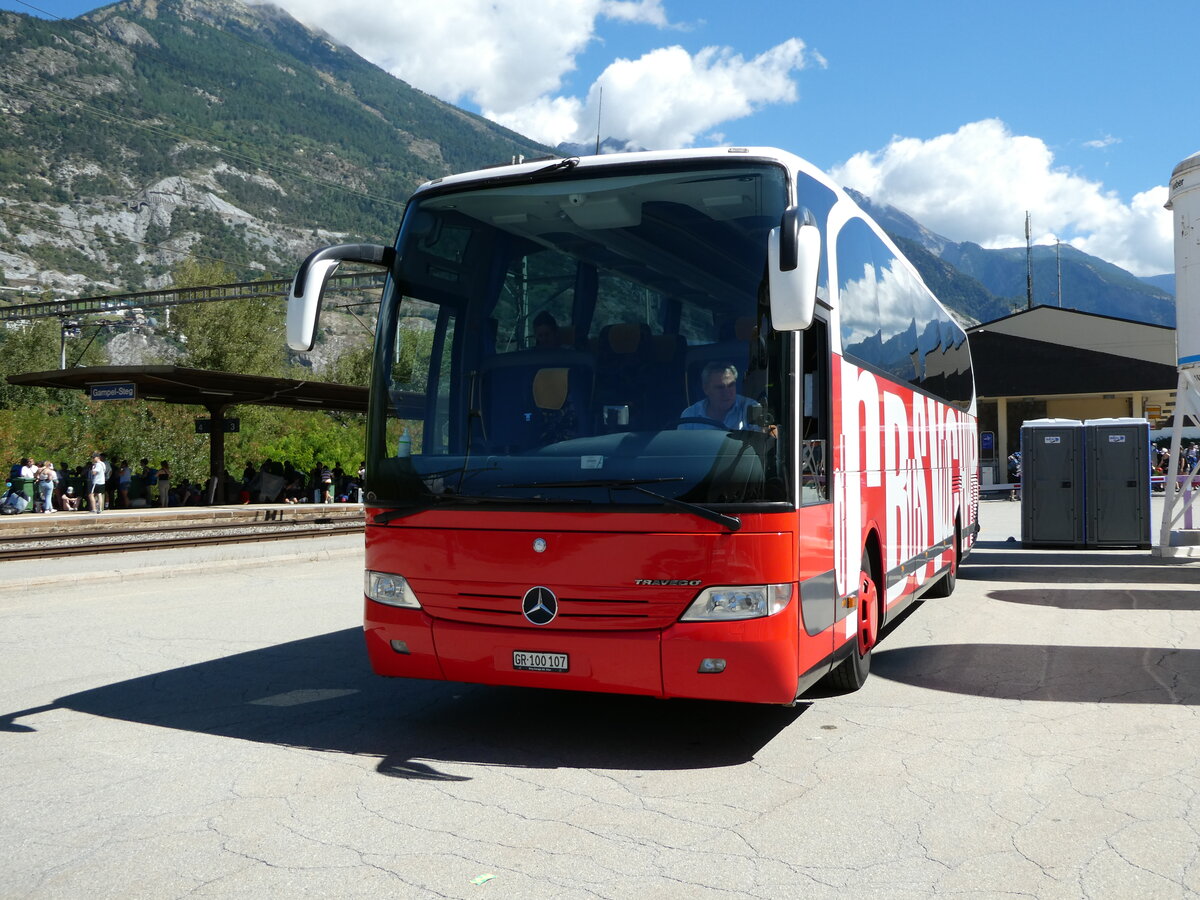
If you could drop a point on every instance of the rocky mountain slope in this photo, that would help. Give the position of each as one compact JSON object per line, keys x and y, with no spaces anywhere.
{"x":151,"y":129}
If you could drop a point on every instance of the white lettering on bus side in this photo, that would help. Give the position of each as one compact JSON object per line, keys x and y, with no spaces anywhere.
{"x":923,"y":513}
{"x":910,"y":444}
{"x":897,"y":480}
{"x":943,"y":458}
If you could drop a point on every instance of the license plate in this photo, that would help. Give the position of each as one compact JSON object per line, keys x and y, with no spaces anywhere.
{"x":536,"y":661}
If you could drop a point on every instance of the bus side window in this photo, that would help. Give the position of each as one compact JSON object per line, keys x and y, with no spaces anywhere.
{"x":814,"y":439}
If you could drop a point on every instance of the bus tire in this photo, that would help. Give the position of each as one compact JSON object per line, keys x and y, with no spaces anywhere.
{"x":945,"y":585}
{"x":852,"y":673}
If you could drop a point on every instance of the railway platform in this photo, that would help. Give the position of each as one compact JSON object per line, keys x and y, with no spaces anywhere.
{"x":42,"y":525}
{"x":38,"y":548}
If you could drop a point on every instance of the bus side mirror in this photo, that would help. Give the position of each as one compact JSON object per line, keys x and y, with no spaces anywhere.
{"x":793,"y":258}
{"x":308,"y":287}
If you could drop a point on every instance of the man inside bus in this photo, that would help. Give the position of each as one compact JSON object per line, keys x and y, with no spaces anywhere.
{"x":545,"y":331}
{"x":722,"y":406}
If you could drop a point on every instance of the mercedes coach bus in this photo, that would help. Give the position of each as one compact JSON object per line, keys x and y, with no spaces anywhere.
{"x":680,"y":424}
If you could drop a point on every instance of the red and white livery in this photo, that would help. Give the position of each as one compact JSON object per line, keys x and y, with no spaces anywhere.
{"x":678,"y":424}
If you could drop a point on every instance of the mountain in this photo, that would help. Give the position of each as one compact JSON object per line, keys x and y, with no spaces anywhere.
{"x":151,"y":130}
{"x":958,"y":292}
{"x":1089,"y":283}
{"x":608,"y":145}
{"x":154,"y":128}
{"x":1163,"y":282}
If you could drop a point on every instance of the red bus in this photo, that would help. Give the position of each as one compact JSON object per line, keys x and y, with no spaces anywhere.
{"x":681,"y":424}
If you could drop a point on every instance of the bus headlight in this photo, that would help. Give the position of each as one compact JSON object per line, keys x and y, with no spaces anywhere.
{"x":725,"y":604}
{"x":392,"y":590}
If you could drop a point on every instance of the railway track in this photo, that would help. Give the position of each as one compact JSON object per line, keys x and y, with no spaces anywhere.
{"x":123,"y":532}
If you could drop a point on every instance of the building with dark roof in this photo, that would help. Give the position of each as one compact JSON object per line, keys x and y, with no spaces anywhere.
{"x":1048,"y":362}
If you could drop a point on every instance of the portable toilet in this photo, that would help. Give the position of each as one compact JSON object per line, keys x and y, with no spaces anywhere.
{"x":1052,"y":483}
{"x":1118,"y":482}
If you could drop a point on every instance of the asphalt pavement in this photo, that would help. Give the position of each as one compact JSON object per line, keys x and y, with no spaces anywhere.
{"x":220,"y":735}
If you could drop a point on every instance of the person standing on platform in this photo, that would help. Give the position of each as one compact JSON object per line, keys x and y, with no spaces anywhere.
{"x":164,"y":484}
{"x":326,"y":485}
{"x":46,"y":479}
{"x":96,"y":484}
{"x":124,"y":480}
{"x":149,"y":477}
{"x":110,"y":483}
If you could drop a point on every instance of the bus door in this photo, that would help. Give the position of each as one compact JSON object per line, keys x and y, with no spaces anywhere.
{"x":819,"y":609}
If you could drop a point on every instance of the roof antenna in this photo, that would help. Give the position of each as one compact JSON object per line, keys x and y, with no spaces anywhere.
{"x":599,"y":112}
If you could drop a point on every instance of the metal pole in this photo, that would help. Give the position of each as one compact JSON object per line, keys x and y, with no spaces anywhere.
{"x":216,"y":448}
{"x":1058,"y":254}
{"x":1028,"y":264}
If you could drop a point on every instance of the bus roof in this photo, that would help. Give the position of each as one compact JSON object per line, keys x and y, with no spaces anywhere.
{"x":516,"y":170}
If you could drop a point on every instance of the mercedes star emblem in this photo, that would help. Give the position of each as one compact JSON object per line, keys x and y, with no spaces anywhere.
{"x":540,"y":605}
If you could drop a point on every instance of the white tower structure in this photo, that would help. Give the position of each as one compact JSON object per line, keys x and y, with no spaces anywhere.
{"x":1180,"y":530}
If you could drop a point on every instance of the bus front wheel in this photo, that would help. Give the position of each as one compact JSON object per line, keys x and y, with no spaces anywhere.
{"x":852,"y":673}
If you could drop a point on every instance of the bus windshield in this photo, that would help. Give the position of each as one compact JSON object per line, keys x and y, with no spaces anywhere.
{"x":589,"y":337}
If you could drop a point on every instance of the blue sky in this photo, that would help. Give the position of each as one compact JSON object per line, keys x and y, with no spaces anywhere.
{"x":964,"y":114}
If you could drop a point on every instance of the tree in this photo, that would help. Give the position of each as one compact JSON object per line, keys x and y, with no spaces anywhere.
{"x":38,"y":421}
{"x":241,"y":336}
{"x":353,"y":367}
{"x":33,"y":348}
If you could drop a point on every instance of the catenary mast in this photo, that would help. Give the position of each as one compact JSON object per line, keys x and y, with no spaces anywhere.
{"x":1180,"y":536}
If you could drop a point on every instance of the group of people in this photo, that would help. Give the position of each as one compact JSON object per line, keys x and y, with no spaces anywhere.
{"x":95,"y":486}
{"x":275,"y":482}
{"x":1189,"y":462}
{"x":99,"y":485}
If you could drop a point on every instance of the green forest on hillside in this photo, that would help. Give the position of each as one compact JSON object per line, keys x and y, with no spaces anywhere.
{"x":233,"y":336}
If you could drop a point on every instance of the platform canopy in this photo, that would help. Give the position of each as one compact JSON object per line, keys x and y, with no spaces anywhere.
{"x":203,"y":387}
{"x":215,"y":391}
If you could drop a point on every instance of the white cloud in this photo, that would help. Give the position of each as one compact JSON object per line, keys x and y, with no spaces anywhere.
{"x":1141,"y":239}
{"x":645,"y":12}
{"x":496,"y":54}
{"x":509,"y":59}
{"x":667,"y":98}
{"x":977,"y":183}
{"x":550,"y":120}
{"x":1100,"y":143}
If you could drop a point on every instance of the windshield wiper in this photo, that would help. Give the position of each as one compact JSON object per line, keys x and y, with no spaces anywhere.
{"x":569,"y":163}
{"x":733,"y":523}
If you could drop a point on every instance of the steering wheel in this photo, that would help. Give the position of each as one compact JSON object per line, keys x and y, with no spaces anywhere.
{"x":699,"y":420}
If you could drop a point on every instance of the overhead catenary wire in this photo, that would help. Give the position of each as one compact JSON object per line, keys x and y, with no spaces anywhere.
{"x":42,"y":11}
